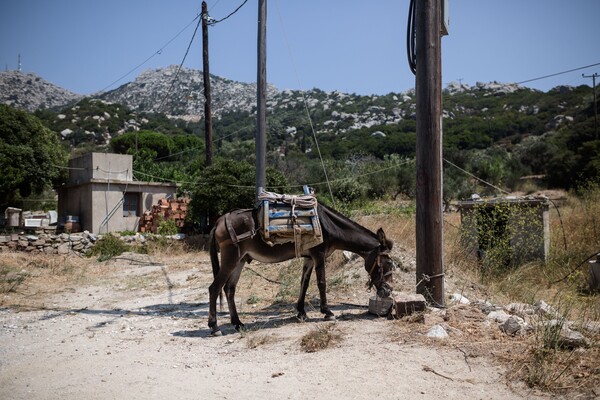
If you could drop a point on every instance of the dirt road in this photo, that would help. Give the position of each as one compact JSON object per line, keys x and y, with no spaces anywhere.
{"x":135,"y":327}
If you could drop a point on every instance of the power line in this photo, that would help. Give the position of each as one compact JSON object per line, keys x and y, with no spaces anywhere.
{"x":180,"y":65}
{"x":157,"y":52}
{"x":558,"y":73}
{"x":214,"y":22}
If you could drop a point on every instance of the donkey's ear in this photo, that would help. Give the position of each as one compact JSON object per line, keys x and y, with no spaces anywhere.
{"x":383,"y":240}
{"x":381,"y":236}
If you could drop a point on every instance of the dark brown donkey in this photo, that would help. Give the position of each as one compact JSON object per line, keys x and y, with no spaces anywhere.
{"x":339,"y":233}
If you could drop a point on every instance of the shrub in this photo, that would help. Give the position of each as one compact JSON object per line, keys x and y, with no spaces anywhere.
{"x":108,"y":247}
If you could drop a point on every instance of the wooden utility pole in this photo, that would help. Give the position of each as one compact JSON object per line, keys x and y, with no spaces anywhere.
{"x":429,"y":219}
{"x":261,"y":99}
{"x":594,"y":76}
{"x":206,"y":77}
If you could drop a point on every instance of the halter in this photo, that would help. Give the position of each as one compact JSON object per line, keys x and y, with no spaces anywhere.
{"x":377,"y":263}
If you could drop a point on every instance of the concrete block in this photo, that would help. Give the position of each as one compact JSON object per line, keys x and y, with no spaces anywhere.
{"x":407,"y":304}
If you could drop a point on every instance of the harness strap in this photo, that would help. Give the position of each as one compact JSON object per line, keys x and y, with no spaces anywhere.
{"x":235,"y":238}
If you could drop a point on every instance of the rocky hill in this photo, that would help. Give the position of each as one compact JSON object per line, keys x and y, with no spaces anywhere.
{"x":158,"y":91}
{"x":31,"y":93}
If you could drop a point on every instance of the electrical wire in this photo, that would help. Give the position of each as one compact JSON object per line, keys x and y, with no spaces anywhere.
{"x":305,"y":104}
{"x":411,"y":42}
{"x":180,"y":65}
{"x":157,"y":52}
{"x":557,"y":73}
{"x":214,"y":22}
{"x":476,"y":177}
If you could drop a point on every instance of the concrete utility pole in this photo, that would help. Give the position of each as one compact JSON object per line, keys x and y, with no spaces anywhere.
{"x":429,"y":219}
{"x":206,"y":77}
{"x":261,"y":99}
{"x":593,"y":76}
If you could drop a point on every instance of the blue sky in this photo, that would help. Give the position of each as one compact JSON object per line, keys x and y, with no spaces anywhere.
{"x":347,"y":45}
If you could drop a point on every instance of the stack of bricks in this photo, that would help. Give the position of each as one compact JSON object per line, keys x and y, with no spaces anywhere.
{"x":166,"y":209}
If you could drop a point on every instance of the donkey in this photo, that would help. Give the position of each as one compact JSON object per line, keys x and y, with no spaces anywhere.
{"x":339,"y":233}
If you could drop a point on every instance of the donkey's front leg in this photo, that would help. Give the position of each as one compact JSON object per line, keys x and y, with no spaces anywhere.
{"x":322,"y":284}
{"x":306,"y":272}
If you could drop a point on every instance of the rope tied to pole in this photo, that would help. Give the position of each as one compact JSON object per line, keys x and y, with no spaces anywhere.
{"x":428,"y":278}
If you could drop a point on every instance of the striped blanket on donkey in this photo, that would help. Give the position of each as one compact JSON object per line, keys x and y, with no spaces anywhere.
{"x":284,"y":218}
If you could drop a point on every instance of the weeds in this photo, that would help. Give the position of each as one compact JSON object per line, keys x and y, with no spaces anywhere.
{"x":256,"y":340}
{"x":108,"y":247}
{"x":320,"y":338}
{"x":552,"y":362}
{"x":289,"y":278}
{"x":11,"y":279}
{"x":253,"y":299}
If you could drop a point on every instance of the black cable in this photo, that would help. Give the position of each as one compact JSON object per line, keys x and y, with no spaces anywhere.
{"x":558,"y":73}
{"x":180,"y":65}
{"x":411,"y":42}
{"x":158,"y":52}
{"x":576,"y":268}
{"x":213,"y":22}
{"x":561,"y":223}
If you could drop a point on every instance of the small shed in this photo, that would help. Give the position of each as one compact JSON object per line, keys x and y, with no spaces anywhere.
{"x":101,"y":195}
{"x":508,"y":231}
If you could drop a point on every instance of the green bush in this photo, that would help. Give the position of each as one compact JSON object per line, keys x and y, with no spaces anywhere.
{"x":167,"y":227}
{"x":107,"y":247}
{"x":227,"y":185}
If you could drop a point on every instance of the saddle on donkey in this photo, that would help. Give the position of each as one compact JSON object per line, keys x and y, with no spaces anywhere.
{"x":281,"y":218}
{"x":284,"y":218}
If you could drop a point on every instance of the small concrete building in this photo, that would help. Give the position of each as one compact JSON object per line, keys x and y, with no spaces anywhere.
{"x":508,"y":231}
{"x":101,"y":195}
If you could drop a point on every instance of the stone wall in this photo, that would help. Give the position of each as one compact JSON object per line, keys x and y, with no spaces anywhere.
{"x":83,"y":242}
{"x":48,"y":243}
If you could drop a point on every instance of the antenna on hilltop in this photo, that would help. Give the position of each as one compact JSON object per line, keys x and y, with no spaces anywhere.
{"x":19,"y":63}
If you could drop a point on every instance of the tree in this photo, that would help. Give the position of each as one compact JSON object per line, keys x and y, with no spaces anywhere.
{"x":158,"y":142}
{"x":227,"y":185}
{"x":31,"y":157}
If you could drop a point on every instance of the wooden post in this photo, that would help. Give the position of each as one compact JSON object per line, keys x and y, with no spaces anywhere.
{"x":429,"y":219}
{"x":261,"y":98}
{"x":206,"y":78}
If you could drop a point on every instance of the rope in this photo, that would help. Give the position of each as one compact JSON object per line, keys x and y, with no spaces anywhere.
{"x":476,"y":177}
{"x":427,"y":278}
{"x":302,"y":201}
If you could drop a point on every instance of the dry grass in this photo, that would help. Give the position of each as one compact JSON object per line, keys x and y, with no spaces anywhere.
{"x":321,"y":337}
{"x":256,"y":339}
{"x":561,"y":282}
{"x":26,"y":276}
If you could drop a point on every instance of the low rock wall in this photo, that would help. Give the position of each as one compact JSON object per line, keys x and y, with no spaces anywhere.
{"x":48,"y":243}
{"x":83,"y":242}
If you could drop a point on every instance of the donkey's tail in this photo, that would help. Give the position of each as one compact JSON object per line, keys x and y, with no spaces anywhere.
{"x":214,"y":260}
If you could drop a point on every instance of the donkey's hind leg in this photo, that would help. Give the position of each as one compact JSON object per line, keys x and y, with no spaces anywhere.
{"x":229,"y":288}
{"x":228,"y":265}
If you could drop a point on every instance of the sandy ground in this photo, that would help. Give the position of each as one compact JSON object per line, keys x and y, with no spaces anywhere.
{"x":135,"y":327}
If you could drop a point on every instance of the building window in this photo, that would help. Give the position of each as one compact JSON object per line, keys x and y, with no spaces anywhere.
{"x":131,"y":205}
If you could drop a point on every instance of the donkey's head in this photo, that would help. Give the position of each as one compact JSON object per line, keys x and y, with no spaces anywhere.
{"x":380,"y":266}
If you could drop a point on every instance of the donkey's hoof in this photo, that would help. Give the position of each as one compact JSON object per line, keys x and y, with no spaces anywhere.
{"x":301,"y":317}
{"x":216,"y":332}
{"x":329,"y":317}
{"x":240,"y":327}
